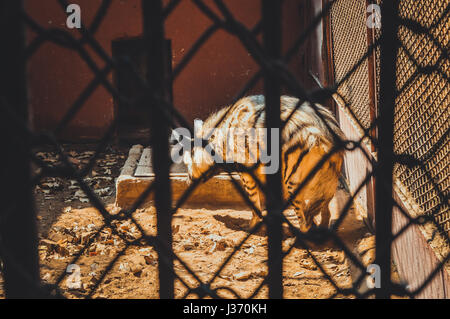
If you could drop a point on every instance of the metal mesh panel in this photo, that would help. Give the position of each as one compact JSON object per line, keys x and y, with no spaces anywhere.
{"x":349,"y":45}
{"x":422,"y":113}
{"x":377,"y":34}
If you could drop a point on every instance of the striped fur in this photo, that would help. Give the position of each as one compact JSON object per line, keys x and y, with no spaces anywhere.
{"x":306,"y":139}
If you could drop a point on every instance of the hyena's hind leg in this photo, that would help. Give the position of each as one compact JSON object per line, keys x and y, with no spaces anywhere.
{"x":325,"y":214}
{"x":253,"y":191}
{"x":305,"y":219}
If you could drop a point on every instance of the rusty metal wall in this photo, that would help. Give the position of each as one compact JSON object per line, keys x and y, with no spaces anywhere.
{"x":210,"y":80}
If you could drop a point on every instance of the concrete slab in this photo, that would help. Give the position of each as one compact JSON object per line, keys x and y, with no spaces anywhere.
{"x":137,"y":174}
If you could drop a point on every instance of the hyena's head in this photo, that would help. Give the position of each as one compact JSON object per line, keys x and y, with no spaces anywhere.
{"x":199,"y":158}
{"x":198,"y":162}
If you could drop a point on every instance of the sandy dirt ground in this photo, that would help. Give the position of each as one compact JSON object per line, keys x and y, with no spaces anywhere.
{"x":203,"y":240}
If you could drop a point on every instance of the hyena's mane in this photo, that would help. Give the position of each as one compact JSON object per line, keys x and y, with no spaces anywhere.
{"x":304,"y":129}
{"x":245,"y":113}
{"x":307,"y":127}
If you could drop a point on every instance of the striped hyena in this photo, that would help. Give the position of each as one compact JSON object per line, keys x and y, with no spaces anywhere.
{"x":306,"y":139}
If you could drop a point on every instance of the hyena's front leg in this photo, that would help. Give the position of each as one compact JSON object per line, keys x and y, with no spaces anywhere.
{"x":252,"y":189}
{"x":305,"y":219}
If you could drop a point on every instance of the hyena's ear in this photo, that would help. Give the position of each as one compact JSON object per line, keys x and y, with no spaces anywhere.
{"x":198,"y":133}
{"x":198,"y":124}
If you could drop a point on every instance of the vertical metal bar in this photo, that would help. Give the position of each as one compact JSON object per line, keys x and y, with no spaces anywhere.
{"x":384,"y":202}
{"x":373,"y":108}
{"x":371,"y":63}
{"x":156,"y":75}
{"x":328,"y":58}
{"x":271,"y":15}
{"x":18,"y":234}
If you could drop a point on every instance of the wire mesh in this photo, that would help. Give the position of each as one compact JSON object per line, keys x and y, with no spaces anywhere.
{"x":422,"y":115}
{"x":421,"y":130}
{"x":349,"y":46}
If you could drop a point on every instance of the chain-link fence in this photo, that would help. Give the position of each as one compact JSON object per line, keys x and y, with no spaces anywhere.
{"x":391,"y":83}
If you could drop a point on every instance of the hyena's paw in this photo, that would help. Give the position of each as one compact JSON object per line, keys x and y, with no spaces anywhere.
{"x":306,"y":226}
{"x":254,"y":221}
{"x":324,"y":221}
{"x":323,"y":225}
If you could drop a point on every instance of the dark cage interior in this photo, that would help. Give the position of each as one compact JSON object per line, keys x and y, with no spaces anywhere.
{"x":133,"y":120}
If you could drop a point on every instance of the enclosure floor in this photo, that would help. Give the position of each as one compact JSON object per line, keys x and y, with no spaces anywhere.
{"x":202,"y":239}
